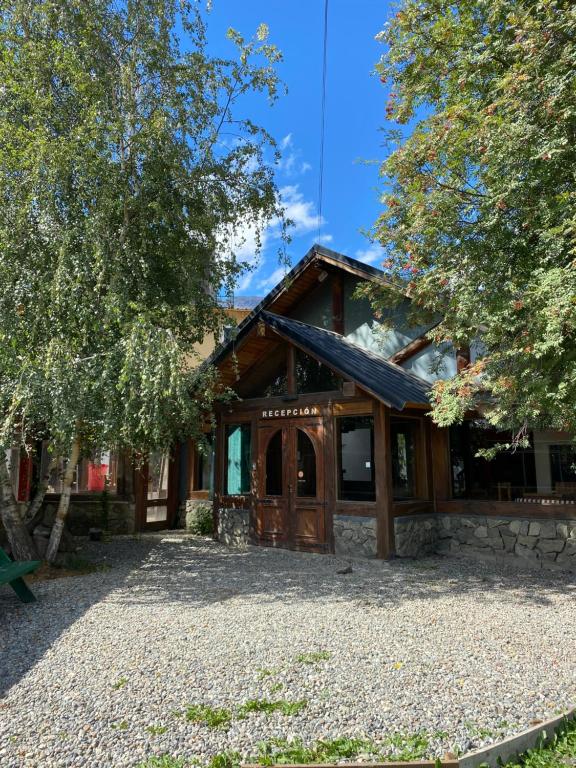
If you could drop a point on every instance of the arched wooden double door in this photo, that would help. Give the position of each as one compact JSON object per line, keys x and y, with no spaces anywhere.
{"x":290,"y":505}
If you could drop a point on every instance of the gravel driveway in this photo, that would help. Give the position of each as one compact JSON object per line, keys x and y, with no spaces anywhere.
{"x":101,"y":669}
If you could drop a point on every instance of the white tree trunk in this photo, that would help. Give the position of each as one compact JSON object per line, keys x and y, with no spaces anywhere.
{"x":64,"y":505}
{"x":21,"y":543}
{"x":33,"y":513}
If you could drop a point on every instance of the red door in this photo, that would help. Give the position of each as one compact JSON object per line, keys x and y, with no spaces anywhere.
{"x":290,"y":494}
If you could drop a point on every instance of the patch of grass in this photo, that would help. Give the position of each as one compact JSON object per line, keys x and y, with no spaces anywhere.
{"x":314,"y":657}
{"x":226,"y":760}
{"x":282,"y":751}
{"x":264,"y":672}
{"x":268,"y":707}
{"x":156,"y":730}
{"x":276,"y":687}
{"x":121,"y":725}
{"x":120,"y":683}
{"x":559,"y":753}
{"x":210,"y":716}
{"x":408,"y":746}
{"x":164,"y":761}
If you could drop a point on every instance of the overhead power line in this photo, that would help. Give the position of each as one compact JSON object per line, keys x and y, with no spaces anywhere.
{"x":322,"y":118}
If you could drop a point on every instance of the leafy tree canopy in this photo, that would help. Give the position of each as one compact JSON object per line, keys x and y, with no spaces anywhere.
{"x":127,"y":175}
{"x":480,"y":199}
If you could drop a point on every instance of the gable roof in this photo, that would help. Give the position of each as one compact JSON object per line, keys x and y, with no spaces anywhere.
{"x":384,"y":380}
{"x":317,"y":258}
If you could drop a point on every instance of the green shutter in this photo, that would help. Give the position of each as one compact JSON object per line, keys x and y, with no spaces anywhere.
{"x":238,"y":459}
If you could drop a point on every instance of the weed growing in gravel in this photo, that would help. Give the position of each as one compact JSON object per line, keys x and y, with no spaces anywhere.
{"x":408,"y":746}
{"x":226,"y":760}
{"x":282,"y":751}
{"x":164,"y":761}
{"x":267,"y":706}
{"x":276,"y":687}
{"x":264,"y":672}
{"x":156,"y":730}
{"x":210,"y":716}
{"x":122,"y":725}
{"x":559,"y":753}
{"x":314,"y":657}
{"x":120,"y":683}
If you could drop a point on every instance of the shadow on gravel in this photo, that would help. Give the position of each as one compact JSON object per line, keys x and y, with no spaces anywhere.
{"x":27,"y":631}
{"x":174,"y":569}
{"x":198,"y":572}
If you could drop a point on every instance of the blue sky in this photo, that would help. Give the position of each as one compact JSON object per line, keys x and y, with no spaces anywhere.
{"x":355,"y":103}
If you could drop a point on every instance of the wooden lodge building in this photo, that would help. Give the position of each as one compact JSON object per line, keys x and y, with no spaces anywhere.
{"x":327,"y":445}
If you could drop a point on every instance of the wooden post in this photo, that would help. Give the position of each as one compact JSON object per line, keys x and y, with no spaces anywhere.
{"x":383,"y":469}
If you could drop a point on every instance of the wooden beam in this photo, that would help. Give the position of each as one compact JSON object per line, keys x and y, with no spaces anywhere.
{"x":410,"y":350}
{"x":383,"y":469}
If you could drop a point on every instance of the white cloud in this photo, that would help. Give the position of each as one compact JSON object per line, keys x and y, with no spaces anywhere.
{"x":270,"y":281}
{"x":371,"y":254}
{"x":300,"y":211}
{"x":327,"y":238}
{"x":291,"y":163}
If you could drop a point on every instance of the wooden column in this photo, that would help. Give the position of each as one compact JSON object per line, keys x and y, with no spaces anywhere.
{"x":383,"y":469}
{"x":440,"y":451}
{"x":219,"y":443}
{"x":329,"y":477}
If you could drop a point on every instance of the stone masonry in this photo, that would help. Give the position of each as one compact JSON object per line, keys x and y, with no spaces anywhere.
{"x":355,"y":536}
{"x":234,"y":527}
{"x":548,"y":544}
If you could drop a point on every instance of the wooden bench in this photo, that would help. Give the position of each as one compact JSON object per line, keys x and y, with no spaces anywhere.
{"x":11,"y":572}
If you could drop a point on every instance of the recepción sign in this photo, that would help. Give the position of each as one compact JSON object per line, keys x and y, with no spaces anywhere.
{"x":278,"y":413}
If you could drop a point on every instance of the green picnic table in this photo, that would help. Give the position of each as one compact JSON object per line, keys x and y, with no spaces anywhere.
{"x":11,"y":572}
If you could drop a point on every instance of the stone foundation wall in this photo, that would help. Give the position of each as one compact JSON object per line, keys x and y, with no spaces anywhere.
{"x":355,"y":536}
{"x":86,"y":514}
{"x":548,"y":544}
{"x":234,"y":527}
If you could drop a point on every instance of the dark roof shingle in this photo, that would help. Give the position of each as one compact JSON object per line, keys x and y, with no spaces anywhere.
{"x":388,"y":382}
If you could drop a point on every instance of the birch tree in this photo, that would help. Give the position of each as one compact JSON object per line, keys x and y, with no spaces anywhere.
{"x":128,"y":173}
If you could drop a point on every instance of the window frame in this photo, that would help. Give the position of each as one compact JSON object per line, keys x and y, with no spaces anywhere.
{"x":338,"y":458}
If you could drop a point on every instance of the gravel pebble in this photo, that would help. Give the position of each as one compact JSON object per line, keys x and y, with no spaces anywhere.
{"x":93,"y":673}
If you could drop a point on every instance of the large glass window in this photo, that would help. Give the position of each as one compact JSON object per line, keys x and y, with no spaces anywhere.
{"x":92,"y":475}
{"x":563,"y":464}
{"x":274,"y":465}
{"x":403,"y":445}
{"x":306,"y":466}
{"x":355,"y":436}
{"x":238,"y":451}
{"x":509,"y":475}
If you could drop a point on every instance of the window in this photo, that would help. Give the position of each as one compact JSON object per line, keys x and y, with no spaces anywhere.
{"x":509,"y":475}
{"x":355,"y":436}
{"x":562,"y":464}
{"x":312,"y":376}
{"x":306,"y":466}
{"x":203,"y":465}
{"x":238,"y":450}
{"x":274,"y":465}
{"x":403,"y":446}
{"x":92,"y":475}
